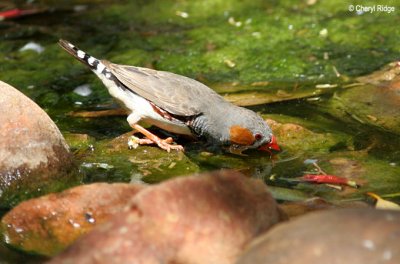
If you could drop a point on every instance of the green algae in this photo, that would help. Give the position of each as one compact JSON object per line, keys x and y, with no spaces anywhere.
{"x":287,"y":47}
{"x":252,"y":52}
{"x":290,"y":47}
{"x":273,"y":42}
{"x":374,"y":175}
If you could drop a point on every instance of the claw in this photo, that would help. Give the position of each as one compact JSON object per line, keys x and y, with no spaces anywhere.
{"x":165,"y":144}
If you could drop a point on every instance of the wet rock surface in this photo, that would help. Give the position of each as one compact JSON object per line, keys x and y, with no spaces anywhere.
{"x":297,"y":137}
{"x":258,"y":93}
{"x":374,"y":103}
{"x":388,"y":76}
{"x":7,"y":255}
{"x":33,"y":153}
{"x":50,"y":223}
{"x":356,"y":166}
{"x":334,"y":236}
{"x":197,"y":219}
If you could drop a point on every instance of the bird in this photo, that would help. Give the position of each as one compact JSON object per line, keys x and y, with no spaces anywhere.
{"x":179,"y":105}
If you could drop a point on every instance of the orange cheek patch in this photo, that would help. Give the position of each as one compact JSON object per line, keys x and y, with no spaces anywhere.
{"x":241,"y":136}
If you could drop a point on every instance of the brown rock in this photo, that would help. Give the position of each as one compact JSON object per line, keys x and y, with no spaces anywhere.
{"x":334,"y":236}
{"x":298,"y":208}
{"x":49,"y":224}
{"x":198,"y":219}
{"x":384,"y":77}
{"x":296,"y":137}
{"x":375,"y":102}
{"x":10,"y":256}
{"x":33,"y":153}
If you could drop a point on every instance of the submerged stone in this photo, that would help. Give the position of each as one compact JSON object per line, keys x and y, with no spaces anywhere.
{"x":374,"y":103}
{"x":298,"y":138}
{"x":370,"y":173}
{"x":373,"y":174}
{"x":250,"y":97}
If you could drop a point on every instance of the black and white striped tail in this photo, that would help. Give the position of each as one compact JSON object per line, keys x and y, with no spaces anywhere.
{"x":96,"y":65}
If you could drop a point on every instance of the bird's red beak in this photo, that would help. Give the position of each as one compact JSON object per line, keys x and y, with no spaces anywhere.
{"x":272,"y":146}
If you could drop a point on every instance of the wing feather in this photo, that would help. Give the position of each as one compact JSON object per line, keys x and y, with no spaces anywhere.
{"x":174,"y":93}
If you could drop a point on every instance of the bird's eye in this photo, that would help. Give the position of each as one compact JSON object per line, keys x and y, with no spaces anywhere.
{"x":258,"y":136}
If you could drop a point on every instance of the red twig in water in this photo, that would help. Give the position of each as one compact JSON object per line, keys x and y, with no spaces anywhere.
{"x":328,"y":179}
{"x":15,"y":13}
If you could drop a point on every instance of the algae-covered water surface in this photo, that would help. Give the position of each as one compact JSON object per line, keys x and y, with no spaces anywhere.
{"x":324,"y":77}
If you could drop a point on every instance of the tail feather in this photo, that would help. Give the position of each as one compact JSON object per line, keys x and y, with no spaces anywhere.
{"x":97,"y":66}
{"x":93,"y":63}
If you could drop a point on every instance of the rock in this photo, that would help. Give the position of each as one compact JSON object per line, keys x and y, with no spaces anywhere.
{"x":295,"y":209}
{"x":334,"y":236}
{"x":298,"y":208}
{"x":145,"y":163}
{"x":298,"y":138}
{"x":49,"y":224}
{"x":372,"y":174}
{"x":388,"y":76}
{"x":257,"y":93}
{"x":376,"y":103}
{"x":198,"y":219}
{"x":33,"y":153}
{"x":9,"y":256}
{"x":79,"y":141}
{"x":371,"y":105}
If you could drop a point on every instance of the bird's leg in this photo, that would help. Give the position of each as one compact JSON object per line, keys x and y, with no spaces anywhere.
{"x":165,"y":144}
{"x":147,"y":141}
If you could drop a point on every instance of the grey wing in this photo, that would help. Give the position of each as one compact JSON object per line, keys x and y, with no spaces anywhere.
{"x":174,"y":93}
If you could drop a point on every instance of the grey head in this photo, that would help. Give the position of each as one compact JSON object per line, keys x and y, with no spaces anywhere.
{"x":235,"y":128}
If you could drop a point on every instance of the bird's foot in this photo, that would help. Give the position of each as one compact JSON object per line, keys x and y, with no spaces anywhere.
{"x":165,"y":144}
{"x":147,"y":141}
{"x":134,"y":142}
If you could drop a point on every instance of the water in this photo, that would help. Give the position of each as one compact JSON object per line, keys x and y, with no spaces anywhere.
{"x":253,"y":53}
